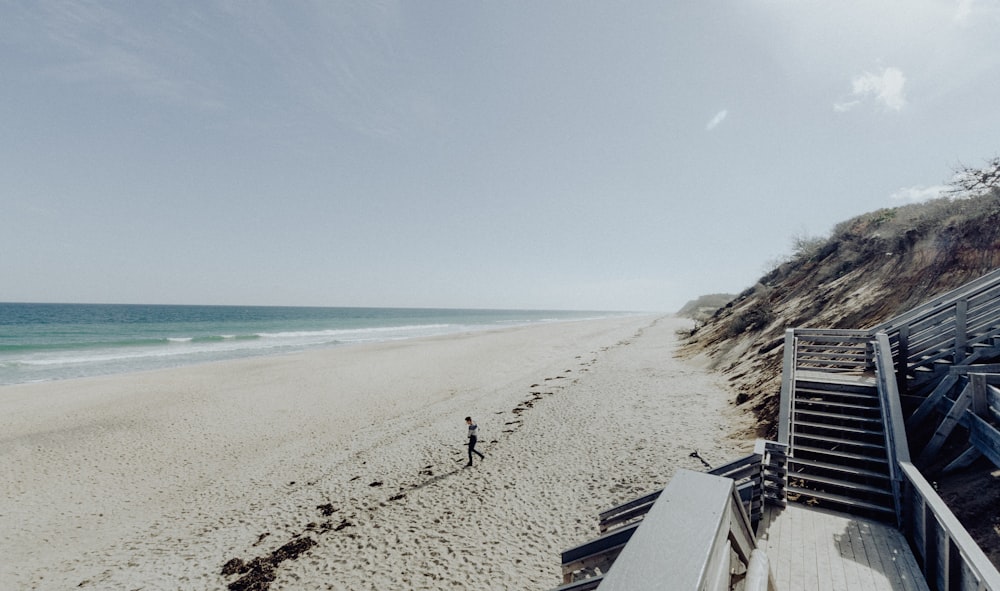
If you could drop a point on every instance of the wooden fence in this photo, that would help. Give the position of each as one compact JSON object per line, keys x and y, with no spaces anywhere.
{"x":949,"y":557}
{"x":948,"y":328}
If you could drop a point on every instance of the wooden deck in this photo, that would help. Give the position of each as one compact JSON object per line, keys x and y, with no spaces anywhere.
{"x":825,"y":551}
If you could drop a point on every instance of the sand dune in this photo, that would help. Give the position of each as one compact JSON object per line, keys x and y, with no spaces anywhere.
{"x":343,"y":469}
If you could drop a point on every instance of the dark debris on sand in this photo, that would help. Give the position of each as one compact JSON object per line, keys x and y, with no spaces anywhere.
{"x":326,"y":510}
{"x":260,"y":572}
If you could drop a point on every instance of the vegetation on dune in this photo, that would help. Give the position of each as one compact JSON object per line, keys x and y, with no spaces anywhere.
{"x":867,"y":270}
{"x":706,"y":305}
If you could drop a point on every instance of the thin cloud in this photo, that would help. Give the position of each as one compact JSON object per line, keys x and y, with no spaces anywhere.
{"x":963,"y":12}
{"x":918,"y":194}
{"x":91,"y":43}
{"x":719,"y":118}
{"x":886,"y":87}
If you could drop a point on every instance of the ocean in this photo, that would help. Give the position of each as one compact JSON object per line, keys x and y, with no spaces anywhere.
{"x":45,"y":342}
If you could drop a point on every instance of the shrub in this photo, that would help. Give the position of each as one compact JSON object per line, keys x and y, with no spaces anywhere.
{"x":756,"y":317}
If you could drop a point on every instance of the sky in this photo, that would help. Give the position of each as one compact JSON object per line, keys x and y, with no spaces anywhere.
{"x":543,"y":155}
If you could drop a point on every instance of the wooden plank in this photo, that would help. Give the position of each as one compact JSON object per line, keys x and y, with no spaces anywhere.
{"x":865,"y":556}
{"x":598,"y":546}
{"x":796,"y":578}
{"x":787,"y":387}
{"x":819,"y":546}
{"x":964,"y":460}
{"x":946,"y":426}
{"x":854,"y":553}
{"x":583,"y":585}
{"x":784,"y":558}
{"x":658,"y":556}
{"x":742,"y":466}
{"x":961,"y":329}
{"x":895,"y":565}
{"x":969,"y":290}
{"x":942,"y":543}
{"x":838,"y":571}
{"x":985,"y":438}
{"x":836,"y":332}
{"x":740,"y":535}
{"x":936,"y":515}
{"x":903,"y":354}
{"x":933,"y":338}
{"x":858,"y":379}
{"x":984,"y":297}
{"x":979,"y":389}
{"x":833,"y":353}
{"x":629,"y":505}
{"x":930,"y":403}
{"x":876,"y":547}
{"x":619,"y":518}
{"x":993,"y":401}
{"x":985,"y":368}
{"x":906,"y":565}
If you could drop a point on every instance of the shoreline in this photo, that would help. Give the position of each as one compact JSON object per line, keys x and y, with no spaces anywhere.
{"x":71,"y":341}
{"x":158,"y":479}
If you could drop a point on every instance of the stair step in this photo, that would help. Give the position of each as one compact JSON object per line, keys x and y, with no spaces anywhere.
{"x":842,"y":500}
{"x":842,"y":405}
{"x":835,"y":467}
{"x":854,"y":486}
{"x":861,"y":397}
{"x":831,"y":415}
{"x":837,"y":384}
{"x":838,"y":440}
{"x":854,"y":430}
{"x":841,"y":454}
{"x":856,"y":388}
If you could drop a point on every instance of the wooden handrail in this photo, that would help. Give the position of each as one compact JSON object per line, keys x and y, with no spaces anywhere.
{"x":628,"y":506}
{"x":969,"y":289}
{"x":950,"y":558}
{"x":945,"y":328}
{"x":892,"y":418}
{"x":688,"y":540}
{"x":921,"y":514}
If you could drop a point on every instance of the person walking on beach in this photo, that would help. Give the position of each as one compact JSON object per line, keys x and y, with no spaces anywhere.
{"x":473,"y":437}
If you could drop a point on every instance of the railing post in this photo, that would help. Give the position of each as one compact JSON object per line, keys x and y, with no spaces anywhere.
{"x":787,"y":387}
{"x":774,"y":470}
{"x":961,"y":331}
{"x":903,"y":358}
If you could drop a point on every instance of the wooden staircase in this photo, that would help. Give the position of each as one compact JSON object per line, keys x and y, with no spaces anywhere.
{"x":835,"y":383}
{"x":839,"y":457}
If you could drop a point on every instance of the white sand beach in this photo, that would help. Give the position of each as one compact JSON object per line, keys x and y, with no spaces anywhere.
{"x":157,"y":480}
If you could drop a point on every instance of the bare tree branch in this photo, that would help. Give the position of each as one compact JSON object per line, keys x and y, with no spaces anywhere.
{"x":969,"y":181}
